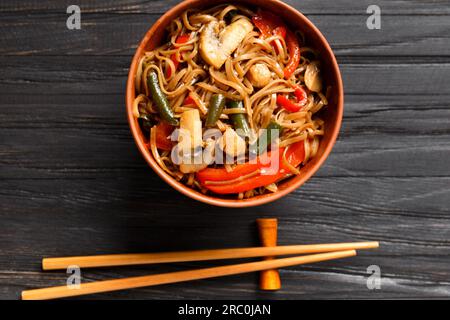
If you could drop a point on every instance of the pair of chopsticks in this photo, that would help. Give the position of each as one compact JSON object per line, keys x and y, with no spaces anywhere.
{"x":322,"y":252}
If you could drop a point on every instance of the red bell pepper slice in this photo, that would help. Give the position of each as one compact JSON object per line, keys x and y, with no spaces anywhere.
{"x":289,"y":105}
{"x":163,"y":132}
{"x":211,"y":174}
{"x":189,"y":101}
{"x":294,"y":155}
{"x":266,"y":22}
{"x":269,"y":24}
{"x":262,"y":25}
{"x":280,"y":31}
{"x":294,"y":54}
{"x":300,"y":94}
{"x":180,"y":40}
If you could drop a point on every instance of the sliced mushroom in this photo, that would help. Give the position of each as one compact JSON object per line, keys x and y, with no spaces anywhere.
{"x":232,"y":143}
{"x":313,"y":80}
{"x":259,"y":75}
{"x":215,"y":48}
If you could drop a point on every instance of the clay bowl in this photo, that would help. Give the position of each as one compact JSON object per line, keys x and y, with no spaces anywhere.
{"x":331,"y":76}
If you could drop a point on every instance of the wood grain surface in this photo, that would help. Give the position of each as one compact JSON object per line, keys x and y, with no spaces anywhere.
{"x":72,"y":181}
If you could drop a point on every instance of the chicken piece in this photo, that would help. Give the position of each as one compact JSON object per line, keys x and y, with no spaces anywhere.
{"x":215,"y":48}
{"x":259,"y":75}
{"x":232,"y":143}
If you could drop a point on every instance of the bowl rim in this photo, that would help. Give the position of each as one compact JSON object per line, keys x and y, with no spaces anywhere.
{"x":212,"y":200}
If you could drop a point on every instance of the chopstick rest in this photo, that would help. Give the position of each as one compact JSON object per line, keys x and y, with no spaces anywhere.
{"x":267,"y":230}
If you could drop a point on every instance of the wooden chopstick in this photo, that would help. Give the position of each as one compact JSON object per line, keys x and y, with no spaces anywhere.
{"x":173,"y":277}
{"x":198,"y":255}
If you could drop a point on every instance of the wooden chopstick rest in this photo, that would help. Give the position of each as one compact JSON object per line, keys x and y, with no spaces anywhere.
{"x":267,"y":229}
{"x":174,"y":277}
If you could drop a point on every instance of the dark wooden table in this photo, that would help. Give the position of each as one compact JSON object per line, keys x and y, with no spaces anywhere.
{"x":73,"y":182}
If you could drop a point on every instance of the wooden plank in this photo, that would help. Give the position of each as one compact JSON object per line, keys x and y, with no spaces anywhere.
{"x":309,"y":282}
{"x":72,"y":181}
{"x":101,"y":218}
{"x":119,"y":34}
{"x":346,"y":7}
{"x":324,"y":202}
{"x":298,"y":284}
{"x":34,"y":75}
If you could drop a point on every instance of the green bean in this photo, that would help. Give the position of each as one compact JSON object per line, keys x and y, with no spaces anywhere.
{"x":160,"y":99}
{"x":215,"y":109}
{"x":239,"y":120}
{"x":146,"y":122}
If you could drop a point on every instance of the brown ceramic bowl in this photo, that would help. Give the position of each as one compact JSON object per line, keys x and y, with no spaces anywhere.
{"x":332,"y":115}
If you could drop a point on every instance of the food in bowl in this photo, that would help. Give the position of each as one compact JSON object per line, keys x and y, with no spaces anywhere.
{"x":231,"y":102}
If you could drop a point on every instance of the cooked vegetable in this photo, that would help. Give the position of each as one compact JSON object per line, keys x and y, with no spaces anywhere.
{"x":215,"y":49}
{"x":232,"y":143}
{"x":163,"y":132}
{"x":289,"y":105}
{"x":280,"y":31}
{"x":313,"y":80}
{"x":268,"y":136}
{"x":294,"y":54}
{"x":266,"y":22}
{"x":146,"y":122}
{"x":189,"y":101}
{"x":300,"y":94}
{"x":160,"y":99}
{"x":259,"y":75}
{"x":248,"y":176}
{"x":215,"y":109}
{"x":180,"y":40}
{"x":190,"y":140}
{"x":222,"y":174}
{"x":269,"y":24}
{"x":239,"y":120}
